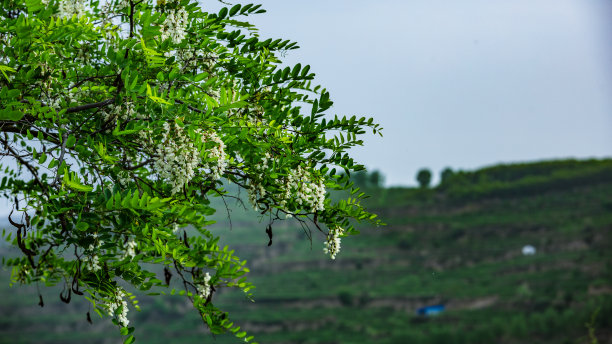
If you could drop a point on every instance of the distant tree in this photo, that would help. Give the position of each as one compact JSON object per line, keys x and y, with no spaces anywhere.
{"x":376,"y":179}
{"x":363,"y":179}
{"x":445,"y":175}
{"x":424,"y":177}
{"x":360,"y":178}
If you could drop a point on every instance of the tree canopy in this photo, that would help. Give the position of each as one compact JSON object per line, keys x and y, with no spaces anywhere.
{"x":424,"y":177}
{"x":121,"y":119}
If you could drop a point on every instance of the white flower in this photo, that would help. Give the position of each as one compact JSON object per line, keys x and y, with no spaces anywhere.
{"x":300,"y":186}
{"x":332,"y":244}
{"x":175,"y":25}
{"x":204,"y":288}
{"x":68,"y":8}
{"x":217,"y":153}
{"x":124,"y":112}
{"x":92,"y":263}
{"x":123,"y":4}
{"x":130,"y":250}
{"x":177,"y":158}
{"x":119,"y":304}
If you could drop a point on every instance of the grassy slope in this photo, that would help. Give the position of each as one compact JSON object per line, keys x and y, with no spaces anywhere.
{"x":436,"y":248}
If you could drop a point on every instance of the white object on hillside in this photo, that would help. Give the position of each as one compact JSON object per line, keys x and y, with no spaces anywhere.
{"x":528,"y":250}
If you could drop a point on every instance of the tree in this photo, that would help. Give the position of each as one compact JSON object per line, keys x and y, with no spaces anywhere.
{"x":363,"y":179}
{"x":121,"y":119}
{"x":424,"y":178}
{"x":446,"y":175}
{"x":376,"y":179}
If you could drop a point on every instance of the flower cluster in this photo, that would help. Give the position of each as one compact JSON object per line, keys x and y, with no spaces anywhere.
{"x":186,"y":59}
{"x":175,"y":25}
{"x":307,"y":190}
{"x":124,"y":178}
{"x":300,"y":186}
{"x":92,"y":262}
{"x":125,"y":112}
{"x":332,"y":244}
{"x":219,"y":158}
{"x":69,"y":8}
{"x":177,"y":157}
{"x":119,"y":304}
{"x":130,"y":249}
{"x":123,"y":4}
{"x":204,"y":288}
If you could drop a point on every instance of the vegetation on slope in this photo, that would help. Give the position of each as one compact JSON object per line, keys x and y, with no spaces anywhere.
{"x":458,"y":244}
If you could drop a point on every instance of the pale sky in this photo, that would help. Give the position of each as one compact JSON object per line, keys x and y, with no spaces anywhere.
{"x":463,"y":84}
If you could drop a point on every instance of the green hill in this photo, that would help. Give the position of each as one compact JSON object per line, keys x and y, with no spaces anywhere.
{"x":458,"y":244}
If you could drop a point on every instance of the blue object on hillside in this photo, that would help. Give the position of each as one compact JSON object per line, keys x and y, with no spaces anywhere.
{"x":430,"y":310}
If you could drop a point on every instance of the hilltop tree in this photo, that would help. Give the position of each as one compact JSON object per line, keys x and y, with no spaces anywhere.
{"x":445,"y":175}
{"x":363,"y":179}
{"x":376,"y":179}
{"x":424,"y":178}
{"x":121,"y":119}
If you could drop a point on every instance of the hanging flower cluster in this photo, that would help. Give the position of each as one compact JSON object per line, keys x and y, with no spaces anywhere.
{"x":204,"y":288}
{"x":130,"y":250}
{"x":178,"y":158}
{"x":91,"y":260}
{"x":307,"y":190}
{"x":119,"y":307}
{"x":175,"y":25}
{"x":332,"y":244}
{"x":300,"y":186}
{"x":123,"y":4}
{"x":216,"y":157}
{"x":186,"y":59}
{"x":124,"y":112}
{"x":69,"y":8}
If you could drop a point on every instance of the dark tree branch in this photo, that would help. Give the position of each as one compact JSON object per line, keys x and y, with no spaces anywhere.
{"x":24,"y":163}
{"x":90,"y":106}
{"x":61,"y":157}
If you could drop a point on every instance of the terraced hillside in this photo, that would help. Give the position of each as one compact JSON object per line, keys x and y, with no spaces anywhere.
{"x":458,"y":245}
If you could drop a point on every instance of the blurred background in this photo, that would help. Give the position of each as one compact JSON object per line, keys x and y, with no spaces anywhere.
{"x":494,"y":177}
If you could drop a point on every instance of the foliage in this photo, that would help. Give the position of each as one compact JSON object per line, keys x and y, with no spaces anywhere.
{"x":446,"y":175}
{"x":424,"y":178}
{"x":433,"y":250}
{"x":120,"y":120}
{"x":367,"y":180}
{"x":526,"y":179}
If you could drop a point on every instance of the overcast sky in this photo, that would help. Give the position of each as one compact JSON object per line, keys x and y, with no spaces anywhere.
{"x":463,"y":84}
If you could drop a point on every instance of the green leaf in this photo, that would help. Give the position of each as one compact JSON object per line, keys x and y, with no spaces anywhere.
{"x":82,"y":226}
{"x":234,"y":10}
{"x":4,"y":69}
{"x":73,"y":182}
{"x":10,"y":115}
{"x":223,"y":12}
{"x":71,"y":141}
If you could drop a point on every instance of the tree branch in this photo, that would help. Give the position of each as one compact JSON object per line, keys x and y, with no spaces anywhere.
{"x":90,"y":106}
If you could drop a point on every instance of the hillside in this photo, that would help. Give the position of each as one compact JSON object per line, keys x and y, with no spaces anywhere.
{"x":458,"y":245}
